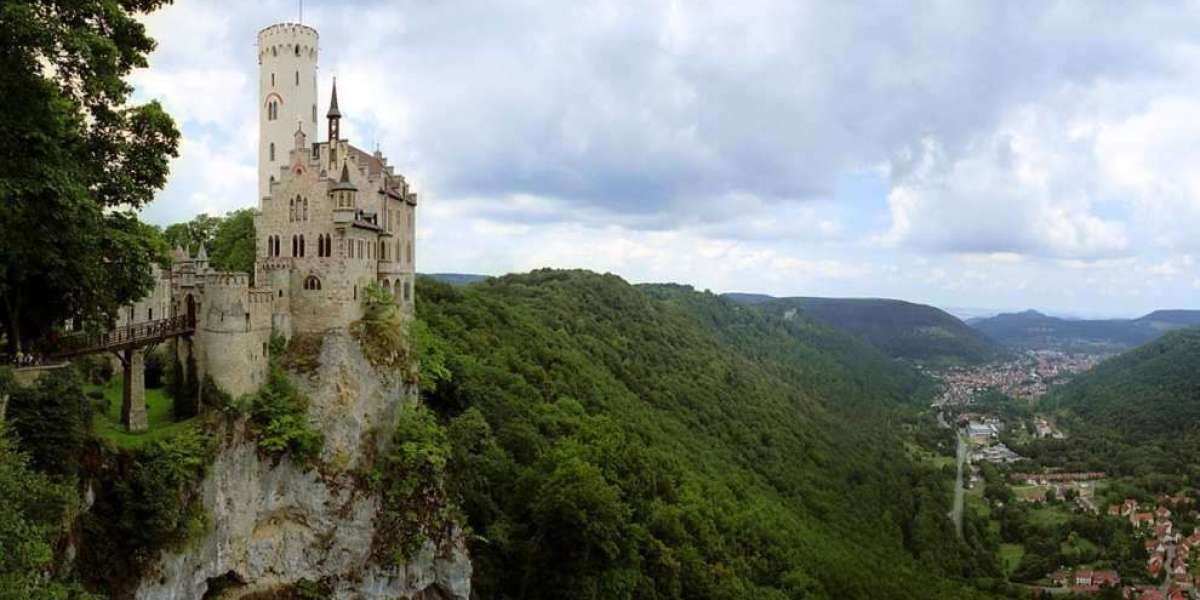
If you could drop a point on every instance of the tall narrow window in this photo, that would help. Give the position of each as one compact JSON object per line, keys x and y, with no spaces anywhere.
{"x":272,"y":80}
{"x":301,"y":245}
{"x":297,"y":72}
{"x":295,"y":246}
{"x":271,"y":152}
{"x":407,"y":291}
{"x":291,"y":210}
{"x":408,"y":250}
{"x":305,"y":209}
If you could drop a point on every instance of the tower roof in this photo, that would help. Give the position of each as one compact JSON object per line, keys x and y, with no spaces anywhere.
{"x":343,"y":182}
{"x":202,"y":254}
{"x":334,"y":113}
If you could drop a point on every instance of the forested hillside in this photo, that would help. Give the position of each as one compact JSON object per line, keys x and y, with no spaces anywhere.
{"x":613,"y":441}
{"x":901,"y":329}
{"x":1036,"y":331}
{"x":1135,"y":413}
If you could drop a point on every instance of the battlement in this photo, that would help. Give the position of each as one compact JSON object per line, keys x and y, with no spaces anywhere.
{"x":226,"y":279}
{"x":280,"y":32}
{"x":261,"y":296}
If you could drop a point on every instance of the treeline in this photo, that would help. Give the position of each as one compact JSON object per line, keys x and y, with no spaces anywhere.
{"x":609,"y":441}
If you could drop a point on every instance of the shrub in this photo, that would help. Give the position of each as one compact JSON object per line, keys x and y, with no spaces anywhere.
{"x":53,"y":421}
{"x":415,"y":506}
{"x":279,"y":416}
{"x":96,"y":369}
{"x":147,"y":500}
{"x":301,"y":354}
{"x":381,"y":332}
{"x":35,"y":513}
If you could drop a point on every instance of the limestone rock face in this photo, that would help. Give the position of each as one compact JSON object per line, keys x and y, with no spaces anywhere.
{"x":274,"y":524}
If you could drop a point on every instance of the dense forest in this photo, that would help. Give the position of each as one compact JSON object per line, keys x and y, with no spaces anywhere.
{"x":613,"y":441}
{"x":901,"y":329}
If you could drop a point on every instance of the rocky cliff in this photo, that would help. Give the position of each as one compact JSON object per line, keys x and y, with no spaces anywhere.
{"x":275,"y":524}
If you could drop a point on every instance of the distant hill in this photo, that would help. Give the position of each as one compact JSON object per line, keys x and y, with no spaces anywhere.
{"x":457,"y":278}
{"x":1036,"y":331}
{"x":901,"y":329}
{"x":744,"y":298}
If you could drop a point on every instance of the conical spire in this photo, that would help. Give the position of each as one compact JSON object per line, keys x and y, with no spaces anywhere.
{"x":333,"y":113}
{"x":343,"y":182}
{"x":202,"y":255}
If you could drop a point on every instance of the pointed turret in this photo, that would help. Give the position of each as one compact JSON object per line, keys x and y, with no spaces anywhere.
{"x":335,"y":117}
{"x":202,"y":255}
{"x":333,"y":113}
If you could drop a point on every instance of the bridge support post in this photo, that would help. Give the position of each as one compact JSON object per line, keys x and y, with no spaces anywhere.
{"x":133,"y":396}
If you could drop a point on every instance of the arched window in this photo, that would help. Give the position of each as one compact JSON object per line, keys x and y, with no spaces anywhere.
{"x":396,"y":290}
{"x":305,"y":210}
{"x":271,"y":152}
{"x":302,"y":245}
{"x":297,"y":72}
{"x":312,"y":283}
{"x":407,"y":291}
{"x":295,"y":246}
{"x":291,"y":210}
{"x":408,"y":249}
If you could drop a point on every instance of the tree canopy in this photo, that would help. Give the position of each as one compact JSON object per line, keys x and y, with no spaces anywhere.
{"x":76,"y":161}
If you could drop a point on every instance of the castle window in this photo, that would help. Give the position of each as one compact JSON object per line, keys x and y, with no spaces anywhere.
{"x":272,"y":80}
{"x":407,"y":291}
{"x":149,"y":314}
{"x":312,"y":283}
{"x":272,"y":151}
{"x":291,"y":210}
{"x":314,"y":115}
{"x":408,"y":250}
{"x":264,"y":350}
{"x":274,"y":50}
{"x":301,"y":245}
{"x":305,"y":210}
{"x":297,"y":72}
{"x":356,"y":292}
{"x":295,"y":246}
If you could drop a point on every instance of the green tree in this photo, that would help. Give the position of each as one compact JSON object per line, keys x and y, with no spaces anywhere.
{"x":232,"y":246}
{"x":190,"y":235}
{"x":76,"y":159}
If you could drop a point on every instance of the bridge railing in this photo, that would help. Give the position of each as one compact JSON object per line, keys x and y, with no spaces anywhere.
{"x":132,"y":335}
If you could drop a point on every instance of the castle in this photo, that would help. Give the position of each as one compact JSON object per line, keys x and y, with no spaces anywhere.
{"x":332,"y":219}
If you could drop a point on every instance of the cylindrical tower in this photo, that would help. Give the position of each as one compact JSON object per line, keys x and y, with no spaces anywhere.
{"x":287,"y":95}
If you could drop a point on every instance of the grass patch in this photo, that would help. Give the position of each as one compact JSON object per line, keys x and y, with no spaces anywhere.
{"x":160,"y":410}
{"x":1049,"y":516}
{"x":937,"y":461}
{"x":1010,"y":556}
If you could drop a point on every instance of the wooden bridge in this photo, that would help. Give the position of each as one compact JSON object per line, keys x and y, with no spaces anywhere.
{"x":130,"y":344}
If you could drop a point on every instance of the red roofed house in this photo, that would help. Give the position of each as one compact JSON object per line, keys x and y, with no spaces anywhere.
{"x":1106,"y":578}
{"x":1141,"y":519}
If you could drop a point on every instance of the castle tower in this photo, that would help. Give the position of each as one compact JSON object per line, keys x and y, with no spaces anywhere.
{"x":287,"y":94}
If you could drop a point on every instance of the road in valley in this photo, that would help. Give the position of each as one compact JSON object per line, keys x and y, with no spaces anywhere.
{"x":956,"y":513}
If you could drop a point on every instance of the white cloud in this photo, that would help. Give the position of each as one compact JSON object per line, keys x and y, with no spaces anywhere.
{"x":1032,"y":153}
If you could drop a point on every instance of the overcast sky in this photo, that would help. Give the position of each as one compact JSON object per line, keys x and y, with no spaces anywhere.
{"x":966,"y":154}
